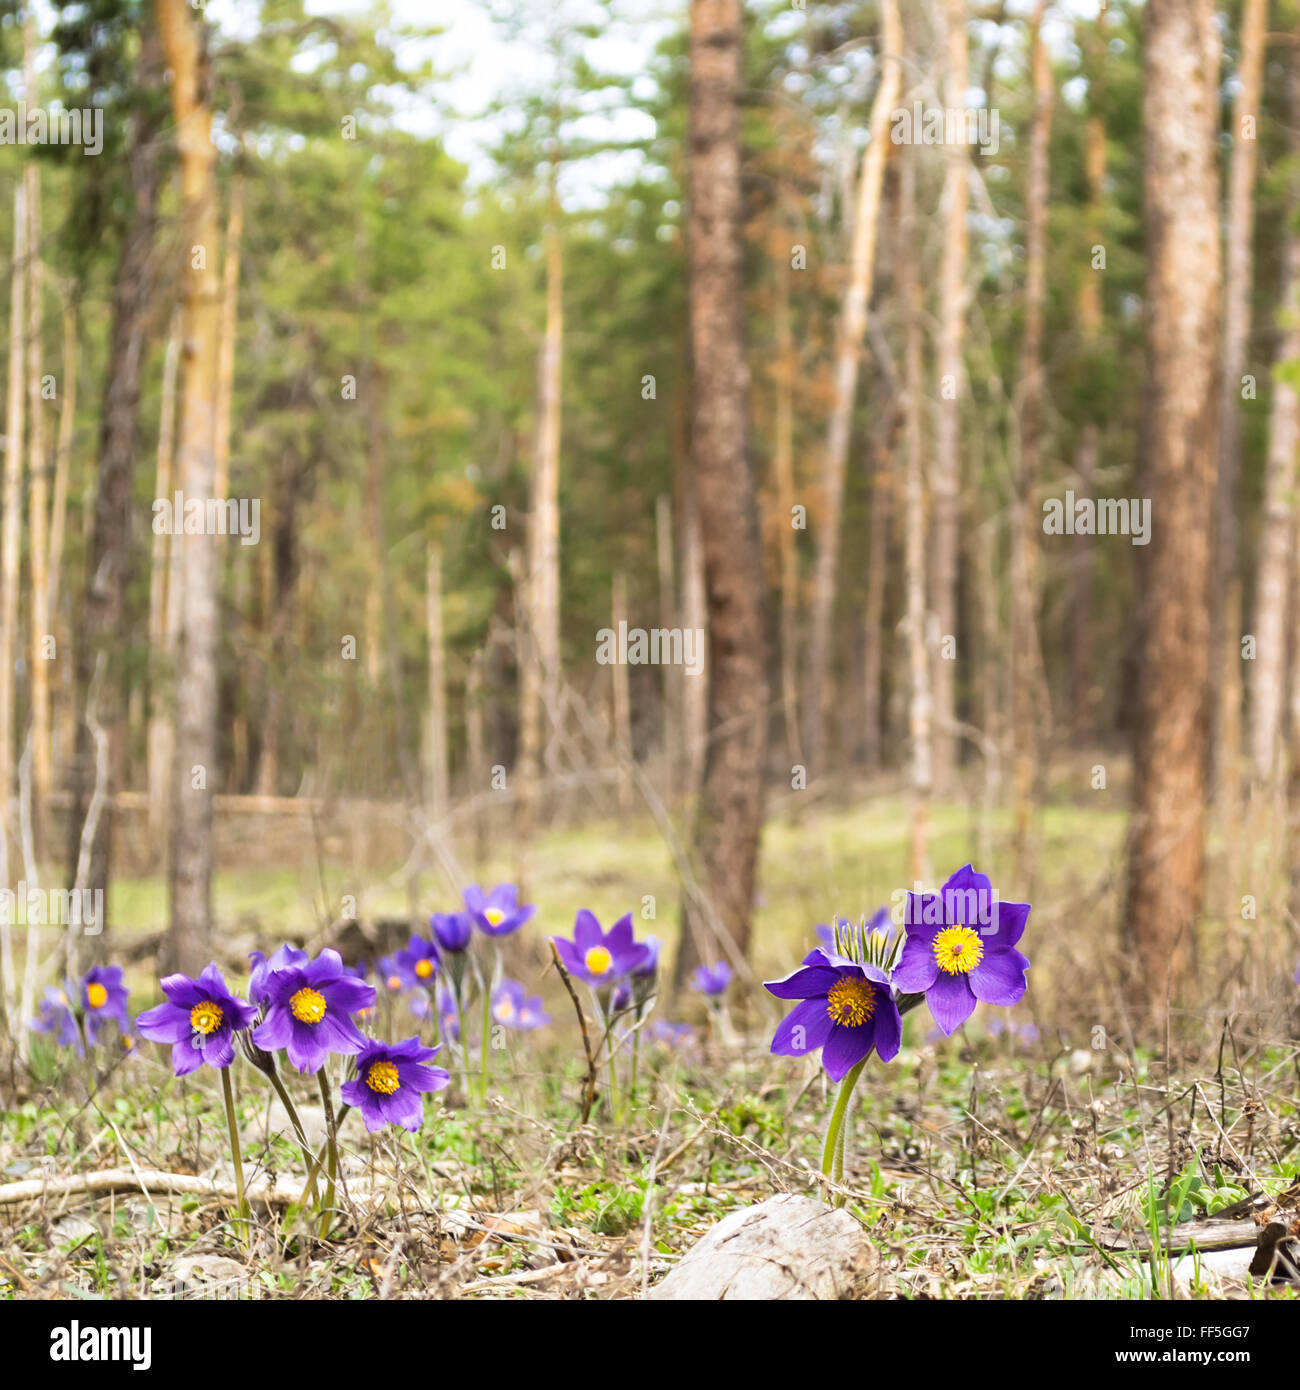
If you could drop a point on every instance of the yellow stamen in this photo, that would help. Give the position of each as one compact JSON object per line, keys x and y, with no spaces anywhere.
{"x":598,"y":960}
{"x":394,"y":982}
{"x":424,"y":968}
{"x":96,"y":995}
{"x":851,"y":1001}
{"x":495,"y":916}
{"x":308,"y":1006}
{"x":128,"y":1042}
{"x":206,"y":1017}
{"x":382,"y":1077}
{"x":505,"y":1010}
{"x":958,"y":950}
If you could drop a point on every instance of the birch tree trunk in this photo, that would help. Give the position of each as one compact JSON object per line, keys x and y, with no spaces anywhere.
{"x":194,"y":777}
{"x":1268,"y":670}
{"x":852,"y":325}
{"x":947,"y":439}
{"x":1026,"y":658}
{"x":1167,"y":833}
{"x":1225,"y":617}
{"x":730,"y":812}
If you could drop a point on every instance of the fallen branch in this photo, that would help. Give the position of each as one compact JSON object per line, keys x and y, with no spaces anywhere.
{"x":149,"y":1181}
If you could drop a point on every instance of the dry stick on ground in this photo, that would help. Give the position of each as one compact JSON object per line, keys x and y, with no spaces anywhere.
{"x":146,"y":1180}
{"x":589,"y":1087}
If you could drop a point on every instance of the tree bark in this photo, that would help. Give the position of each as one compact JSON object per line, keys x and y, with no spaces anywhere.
{"x":1026,"y":657}
{"x":229,"y":322}
{"x":1225,"y":616}
{"x":194,"y":776}
{"x":1268,"y":670}
{"x":437,"y":735}
{"x":11,"y":534}
{"x":784,"y":370}
{"x":853,"y":321}
{"x":1167,"y":833}
{"x":947,"y":439}
{"x":730,"y":813}
{"x":919,"y":702}
{"x":103,"y":632}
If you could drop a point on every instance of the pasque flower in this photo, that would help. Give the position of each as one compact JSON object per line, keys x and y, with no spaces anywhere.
{"x":309,"y":1011}
{"x":873,"y":935}
{"x":513,"y":1008}
{"x":56,"y":1018}
{"x":452,"y":931}
{"x":712,"y":979}
{"x":960,"y":949}
{"x":103,"y":996}
{"x":199,"y":1018}
{"x":600,"y":957}
{"x":846,"y":1009}
{"x":499,"y":912}
{"x":418,"y":964}
{"x":283,"y":959}
{"x":390,"y":1080}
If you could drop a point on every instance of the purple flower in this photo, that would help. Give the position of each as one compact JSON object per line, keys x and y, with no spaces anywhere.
{"x":310,"y":1011}
{"x":199,"y":1018}
{"x":621,"y":999}
{"x":56,"y":1018}
{"x":103,"y":996}
{"x":956,"y":953}
{"x":671,"y":1034}
{"x":452,"y":931}
{"x":600,"y":957}
{"x":878,"y":930}
{"x":650,"y":966}
{"x":846,"y":1009}
{"x":712,"y":979}
{"x":390,"y":1081}
{"x":418,"y":964}
{"x":497,"y":913}
{"x":391,"y":975}
{"x":448,"y":1018}
{"x":283,"y":959}
{"x":511,"y":1007}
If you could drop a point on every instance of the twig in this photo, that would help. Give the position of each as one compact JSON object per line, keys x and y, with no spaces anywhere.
{"x":589,"y":1090}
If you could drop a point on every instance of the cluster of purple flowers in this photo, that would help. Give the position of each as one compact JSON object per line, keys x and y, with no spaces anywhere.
{"x":71,"y":1011}
{"x":959,"y":948}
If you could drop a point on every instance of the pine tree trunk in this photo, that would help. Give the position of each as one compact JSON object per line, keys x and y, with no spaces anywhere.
{"x":947,"y":439}
{"x":66,"y":698}
{"x":621,"y":695}
{"x":11,"y":534}
{"x":919,"y":702}
{"x":102,"y":638}
{"x":852,"y":325}
{"x":730,"y":813}
{"x":1268,"y":670}
{"x":194,"y":776}
{"x":1026,"y":657}
{"x":229,"y":322}
{"x":784,"y":369}
{"x":1238,"y":276}
{"x":437,"y":735}
{"x":1167,"y":834}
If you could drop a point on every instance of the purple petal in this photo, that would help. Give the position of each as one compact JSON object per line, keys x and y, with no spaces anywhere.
{"x":845,"y":1048}
{"x":811,"y":1016}
{"x":1000,"y":977}
{"x":917,"y":967}
{"x":586,"y":931}
{"x":951,"y":1001}
{"x":808,"y":982}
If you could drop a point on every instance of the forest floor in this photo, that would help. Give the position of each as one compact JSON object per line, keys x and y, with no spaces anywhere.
{"x":1006,"y":1162}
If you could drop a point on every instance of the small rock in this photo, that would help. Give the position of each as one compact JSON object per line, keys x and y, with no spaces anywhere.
{"x":788,"y":1247}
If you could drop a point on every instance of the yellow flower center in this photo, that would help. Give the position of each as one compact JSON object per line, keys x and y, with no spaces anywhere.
{"x":382,"y":1077}
{"x":206,"y":1017}
{"x":424,"y":968}
{"x":128,"y":1042}
{"x":851,"y":1001}
{"x":505,"y":1010}
{"x":394,"y":982}
{"x":495,"y":916}
{"x":598,"y":960}
{"x":96,"y":995}
{"x":308,"y":1006}
{"x":957,"y":950}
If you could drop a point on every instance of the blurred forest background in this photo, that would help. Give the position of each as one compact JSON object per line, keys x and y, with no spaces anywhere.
{"x":724,"y":343}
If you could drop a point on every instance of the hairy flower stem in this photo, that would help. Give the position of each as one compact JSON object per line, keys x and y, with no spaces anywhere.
{"x":299,"y":1133}
{"x":833,"y":1148}
{"x":487,"y":1041}
{"x":331,"y":1141}
{"x":244,"y":1226}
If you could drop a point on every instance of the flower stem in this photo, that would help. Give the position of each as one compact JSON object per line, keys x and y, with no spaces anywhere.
{"x":487,"y":1041}
{"x":331,"y":1140}
{"x":299,"y":1133}
{"x":833,"y":1148}
{"x":243,"y":1226}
